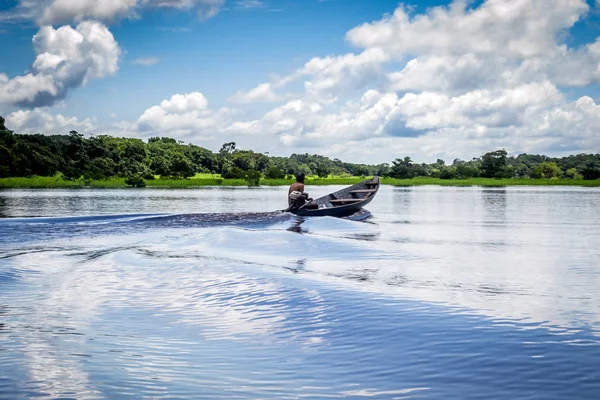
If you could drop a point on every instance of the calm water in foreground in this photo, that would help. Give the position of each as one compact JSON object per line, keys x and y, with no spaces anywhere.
{"x":444,"y":293}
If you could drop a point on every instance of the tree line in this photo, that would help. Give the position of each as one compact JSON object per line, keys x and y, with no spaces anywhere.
{"x":102,"y":156}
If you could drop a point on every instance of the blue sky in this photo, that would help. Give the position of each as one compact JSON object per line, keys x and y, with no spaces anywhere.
{"x":360,"y":80}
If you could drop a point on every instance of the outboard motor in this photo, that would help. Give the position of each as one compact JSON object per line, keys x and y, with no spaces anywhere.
{"x":296,"y":200}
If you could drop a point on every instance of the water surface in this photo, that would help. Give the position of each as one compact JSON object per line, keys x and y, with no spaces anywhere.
{"x":210,"y":293}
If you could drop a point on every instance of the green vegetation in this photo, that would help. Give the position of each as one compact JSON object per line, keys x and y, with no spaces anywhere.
{"x":488,"y":182}
{"x":104,"y":161}
{"x":116,"y":182}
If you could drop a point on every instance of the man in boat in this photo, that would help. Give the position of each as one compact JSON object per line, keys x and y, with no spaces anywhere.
{"x":296,"y":195}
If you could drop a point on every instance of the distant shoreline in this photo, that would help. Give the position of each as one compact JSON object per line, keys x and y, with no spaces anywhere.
{"x":57,"y":182}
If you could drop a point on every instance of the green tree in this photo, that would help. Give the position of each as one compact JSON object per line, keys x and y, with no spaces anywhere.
{"x":448,"y":172}
{"x":180,"y":166}
{"x":274,"y":173}
{"x":591,"y":172}
{"x":547,"y":170}
{"x":227,"y":148}
{"x":234,"y":173}
{"x":100,"y":168}
{"x":382,"y":170}
{"x":305,"y":169}
{"x":572,"y":173}
{"x":493,"y":164}
{"x":135,"y":181}
{"x":403,"y":168}
{"x":322,"y":171}
{"x":252,"y":177}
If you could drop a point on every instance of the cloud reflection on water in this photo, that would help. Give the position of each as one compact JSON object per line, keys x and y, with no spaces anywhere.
{"x":523,"y":258}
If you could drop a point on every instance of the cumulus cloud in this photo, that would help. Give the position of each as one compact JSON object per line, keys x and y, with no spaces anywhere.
{"x":380,"y":114}
{"x":44,"y":122}
{"x":509,"y":107}
{"x":65,"y":11}
{"x":343,"y":74}
{"x":326,"y":78}
{"x":261,"y":93}
{"x":560,"y":130}
{"x":457,"y":48}
{"x":453,"y":79}
{"x":183,"y":115}
{"x":498,"y":43}
{"x":522,"y":28}
{"x":66,"y":58}
{"x":55,"y":12}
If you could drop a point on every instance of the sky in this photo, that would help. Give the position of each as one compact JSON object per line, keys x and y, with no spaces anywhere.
{"x":359,"y":80}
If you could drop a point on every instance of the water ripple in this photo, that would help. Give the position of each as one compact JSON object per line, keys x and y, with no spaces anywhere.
{"x":441,"y":294}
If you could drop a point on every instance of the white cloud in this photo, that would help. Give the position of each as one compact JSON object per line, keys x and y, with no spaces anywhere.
{"x":520,"y":28}
{"x":470,"y":79}
{"x":456,"y":49}
{"x":509,"y":107}
{"x":44,"y":122}
{"x":261,"y":93}
{"x":145,"y":61}
{"x":377,"y":128}
{"x":55,"y":12}
{"x":577,"y":124}
{"x":449,"y":74}
{"x":66,"y":58}
{"x":344,"y":74}
{"x":65,"y":11}
{"x":558,"y":131}
{"x":183,"y":115}
{"x":455,"y":81}
{"x":328,"y":77}
{"x":382,"y":126}
{"x":498,"y":43}
{"x":249,"y":4}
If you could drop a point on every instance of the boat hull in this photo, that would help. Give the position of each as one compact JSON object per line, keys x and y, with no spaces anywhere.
{"x":342,"y":203}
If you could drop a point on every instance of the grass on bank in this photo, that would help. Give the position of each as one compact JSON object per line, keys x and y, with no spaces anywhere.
{"x":216,"y":180}
{"x":421,"y":181}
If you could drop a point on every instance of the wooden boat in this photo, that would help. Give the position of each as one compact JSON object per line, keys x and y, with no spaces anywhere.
{"x":342,"y":203}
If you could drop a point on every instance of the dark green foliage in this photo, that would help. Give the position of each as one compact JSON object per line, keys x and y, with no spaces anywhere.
{"x":274,"y":173}
{"x":303,"y":169}
{"x":181,"y":167}
{"x":234,"y":173}
{"x":405,"y":169}
{"x":447,"y":172}
{"x":466,"y":169}
{"x":253,"y":177}
{"x":493,"y":164}
{"x":361,"y":170}
{"x":322,"y":171}
{"x":100,"y":168}
{"x":227,"y":148}
{"x":135,"y":181}
{"x":102,"y":157}
{"x":591,"y":172}
{"x":382,"y":170}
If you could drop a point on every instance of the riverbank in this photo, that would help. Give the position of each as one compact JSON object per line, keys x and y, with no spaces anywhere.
{"x":43,"y":182}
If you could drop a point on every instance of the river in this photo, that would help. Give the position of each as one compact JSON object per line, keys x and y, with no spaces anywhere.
{"x":443,"y":293}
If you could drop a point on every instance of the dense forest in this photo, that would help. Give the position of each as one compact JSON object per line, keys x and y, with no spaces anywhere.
{"x":100,"y":157}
